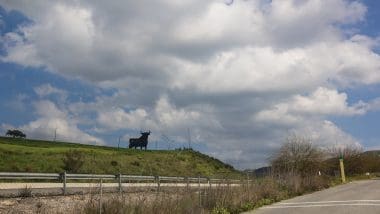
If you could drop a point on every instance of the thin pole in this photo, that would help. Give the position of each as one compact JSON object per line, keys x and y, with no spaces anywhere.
{"x":187,"y":183}
{"x":188,"y":132}
{"x":158,"y":183}
{"x":247,"y":179}
{"x":55,"y":134}
{"x":342,"y":170}
{"x":120,"y":187}
{"x":101,"y":194}
{"x":199,"y":190}
{"x":118,"y":145}
{"x":64,"y":183}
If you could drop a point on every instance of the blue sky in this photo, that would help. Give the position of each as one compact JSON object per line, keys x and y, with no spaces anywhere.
{"x":240,"y":77}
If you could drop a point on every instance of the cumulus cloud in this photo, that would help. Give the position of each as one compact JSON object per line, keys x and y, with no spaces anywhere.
{"x":52,"y":120}
{"x":241,"y":74}
{"x":321,"y":102}
{"x":46,"y":90}
{"x":164,"y":118}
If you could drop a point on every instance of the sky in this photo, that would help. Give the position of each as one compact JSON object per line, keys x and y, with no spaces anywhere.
{"x":233,"y":79}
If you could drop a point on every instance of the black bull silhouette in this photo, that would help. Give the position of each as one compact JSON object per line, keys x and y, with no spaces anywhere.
{"x":139,"y":142}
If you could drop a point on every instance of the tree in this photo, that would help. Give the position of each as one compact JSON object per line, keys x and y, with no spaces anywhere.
{"x":354,"y":161}
{"x":297,"y":156}
{"x":297,"y":165}
{"x":15,"y":133}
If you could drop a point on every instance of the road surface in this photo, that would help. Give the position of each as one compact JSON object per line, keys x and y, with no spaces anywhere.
{"x":355,"y":197}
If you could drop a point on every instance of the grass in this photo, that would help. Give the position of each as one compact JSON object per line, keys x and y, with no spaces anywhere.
{"x":217,"y":200}
{"x":24,"y":155}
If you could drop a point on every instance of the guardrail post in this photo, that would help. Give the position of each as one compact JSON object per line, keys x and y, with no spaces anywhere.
{"x":158,"y":183}
{"x":199,"y":190}
{"x":247,"y":179}
{"x":187,"y":183}
{"x":101,"y":194}
{"x":63,"y":177}
{"x":120,"y":187}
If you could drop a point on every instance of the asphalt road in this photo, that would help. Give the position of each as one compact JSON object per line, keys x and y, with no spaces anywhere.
{"x":355,"y":197}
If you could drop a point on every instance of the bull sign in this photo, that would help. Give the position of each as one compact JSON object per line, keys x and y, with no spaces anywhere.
{"x":141,"y":142}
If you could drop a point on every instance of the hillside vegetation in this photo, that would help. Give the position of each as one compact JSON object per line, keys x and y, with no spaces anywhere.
{"x":24,"y":155}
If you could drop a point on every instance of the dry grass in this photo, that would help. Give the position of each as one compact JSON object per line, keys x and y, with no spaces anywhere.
{"x":25,"y":192}
{"x":219,"y":199}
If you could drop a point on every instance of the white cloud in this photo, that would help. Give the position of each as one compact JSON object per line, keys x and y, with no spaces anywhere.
{"x":264,"y":69}
{"x":52,"y":120}
{"x":19,"y":51}
{"x":46,"y":90}
{"x":93,"y":41}
{"x":119,"y":119}
{"x":163,"y":118}
{"x":322,"y":102}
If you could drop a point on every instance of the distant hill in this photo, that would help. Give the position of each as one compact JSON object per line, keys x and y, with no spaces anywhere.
{"x":259,"y":172}
{"x":24,"y":155}
{"x":372,"y":152}
{"x":368,"y":161}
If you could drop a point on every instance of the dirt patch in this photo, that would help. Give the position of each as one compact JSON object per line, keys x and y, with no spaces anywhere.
{"x":52,"y":204}
{"x":61,"y":204}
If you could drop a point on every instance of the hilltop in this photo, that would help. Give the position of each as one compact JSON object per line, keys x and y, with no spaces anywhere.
{"x":25,"y":155}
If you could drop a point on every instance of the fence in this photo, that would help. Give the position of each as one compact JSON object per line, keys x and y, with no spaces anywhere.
{"x":119,"y":178}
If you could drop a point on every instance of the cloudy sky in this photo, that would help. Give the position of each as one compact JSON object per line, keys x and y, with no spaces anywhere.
{"x":235,"y":77}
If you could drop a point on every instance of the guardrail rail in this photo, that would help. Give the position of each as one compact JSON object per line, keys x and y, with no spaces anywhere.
{"x":119,"y":178}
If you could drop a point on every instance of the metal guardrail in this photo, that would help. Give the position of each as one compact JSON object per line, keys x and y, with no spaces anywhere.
{"x":64,"y":177}
{"x":31,"y":176}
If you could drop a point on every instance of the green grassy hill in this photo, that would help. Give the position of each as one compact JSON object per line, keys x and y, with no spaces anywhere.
{"x":23,"y":155}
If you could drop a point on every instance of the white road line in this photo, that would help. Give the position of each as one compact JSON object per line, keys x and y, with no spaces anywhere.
{"x":326,"y":202}
{"x":318,"y":205}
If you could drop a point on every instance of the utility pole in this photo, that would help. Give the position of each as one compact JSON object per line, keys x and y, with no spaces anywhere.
{"x":189,"y":135}
{"x":55,"y":134}
{"x":118,"y":145}
{"x":167,"y":139}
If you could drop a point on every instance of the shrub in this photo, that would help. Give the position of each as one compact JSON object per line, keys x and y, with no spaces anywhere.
{"x":135,"y":163}
{"x":298,"y":156}
{"x":354,"y":161}
{"x":73,"y":161}
{"x":114,"y":163}
{"x":297,"y":164}
{"x":25,"y":192}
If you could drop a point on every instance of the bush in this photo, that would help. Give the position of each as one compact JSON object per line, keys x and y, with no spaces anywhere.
{"x":25,"y":192}
{"x":114,"y":163}
{"x":73,"y":161}
{"x":297,"y":165}
{"x":298,"y":156}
